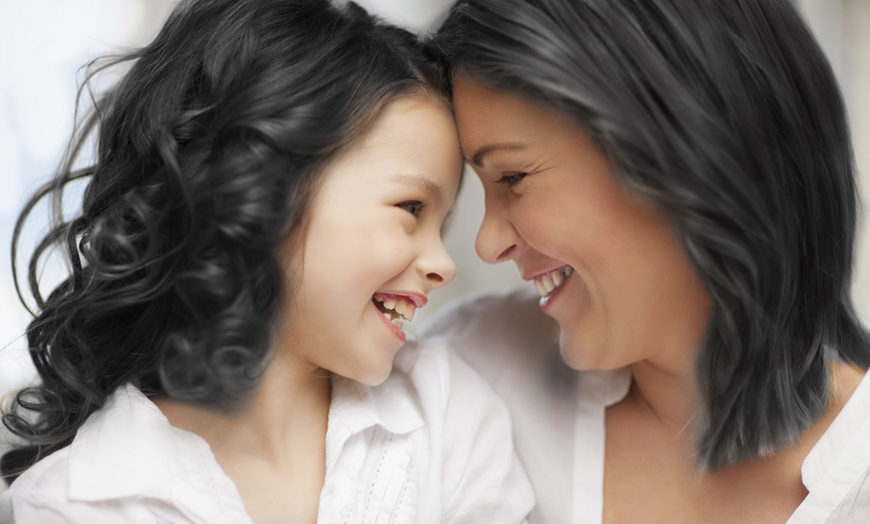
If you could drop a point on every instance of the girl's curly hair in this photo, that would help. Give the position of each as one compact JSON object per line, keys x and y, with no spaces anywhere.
{"x":208,"y":149}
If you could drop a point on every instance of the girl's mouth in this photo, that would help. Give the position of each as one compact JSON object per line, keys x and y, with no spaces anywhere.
{"x":395,"y":309}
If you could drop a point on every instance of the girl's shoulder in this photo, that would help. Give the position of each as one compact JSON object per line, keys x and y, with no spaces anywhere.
{"x":45,"y":484}
{"x":126,"y":464}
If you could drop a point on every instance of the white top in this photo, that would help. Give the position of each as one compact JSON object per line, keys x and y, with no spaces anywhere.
{"x":558,"y":415}
{"x":431,"y":444}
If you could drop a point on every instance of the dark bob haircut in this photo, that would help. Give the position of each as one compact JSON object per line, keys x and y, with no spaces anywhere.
{"x":208,"y":150}
{"x":727,"y":116}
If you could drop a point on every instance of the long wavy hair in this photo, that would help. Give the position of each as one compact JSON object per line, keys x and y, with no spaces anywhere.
{"x":728,"y":117}
{"x":208,"y":150}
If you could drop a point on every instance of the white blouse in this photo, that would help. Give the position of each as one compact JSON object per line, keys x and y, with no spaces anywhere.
{"x":431,"y":444}
{"x":558,"y":415}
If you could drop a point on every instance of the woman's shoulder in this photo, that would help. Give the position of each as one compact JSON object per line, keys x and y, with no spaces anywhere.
{"x":836,"y":472}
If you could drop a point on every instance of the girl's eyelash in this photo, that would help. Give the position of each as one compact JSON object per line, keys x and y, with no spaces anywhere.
{"x":415,"y":207}
{"x":511,"y":179}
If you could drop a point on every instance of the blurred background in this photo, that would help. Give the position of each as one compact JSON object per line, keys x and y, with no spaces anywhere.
{"x":45,"y":42}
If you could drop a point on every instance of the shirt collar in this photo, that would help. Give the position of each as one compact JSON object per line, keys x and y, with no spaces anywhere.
{"x":838,"y":443}
{"x":107,"y":457}
{"x":129,"y":449}
{"x":392,"y":405}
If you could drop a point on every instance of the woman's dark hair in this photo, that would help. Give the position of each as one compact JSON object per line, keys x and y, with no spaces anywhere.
{"x":728,"y":117}
{"x":208,"y":150}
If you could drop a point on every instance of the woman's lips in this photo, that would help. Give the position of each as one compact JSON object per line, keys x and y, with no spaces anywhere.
{"x":550,"y":284}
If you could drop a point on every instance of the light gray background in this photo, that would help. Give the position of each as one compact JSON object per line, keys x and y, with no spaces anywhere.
{"x":43,"y":43}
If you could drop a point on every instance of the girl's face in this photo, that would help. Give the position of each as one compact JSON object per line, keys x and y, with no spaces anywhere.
{"x":372,"y":248}
{"x":609,"y":268}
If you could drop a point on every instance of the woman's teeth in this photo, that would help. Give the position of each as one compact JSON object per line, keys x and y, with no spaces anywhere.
{"x":395,"y":309}
{"x":545,"y":284}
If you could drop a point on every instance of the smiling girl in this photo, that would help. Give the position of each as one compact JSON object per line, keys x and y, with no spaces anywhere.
{"x":263,"y":214}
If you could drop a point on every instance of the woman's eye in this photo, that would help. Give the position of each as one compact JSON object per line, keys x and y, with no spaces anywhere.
{"x":511,"y":179}
{"x":412,"y":206}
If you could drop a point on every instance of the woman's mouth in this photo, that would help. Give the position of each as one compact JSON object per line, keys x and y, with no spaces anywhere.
{"x":548,"y":283}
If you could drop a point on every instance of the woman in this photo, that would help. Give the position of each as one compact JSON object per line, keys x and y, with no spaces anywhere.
{"x":677,"y":180}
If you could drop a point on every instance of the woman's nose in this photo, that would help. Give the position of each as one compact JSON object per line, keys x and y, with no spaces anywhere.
{"x":497,"y":239}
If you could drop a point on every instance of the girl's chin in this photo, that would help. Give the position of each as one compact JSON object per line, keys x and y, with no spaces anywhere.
{"x":371,"y":375}
{"x":373,"y":379}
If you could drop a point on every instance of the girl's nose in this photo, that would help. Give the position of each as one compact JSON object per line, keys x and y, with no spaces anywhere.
{"x":438,"y":267}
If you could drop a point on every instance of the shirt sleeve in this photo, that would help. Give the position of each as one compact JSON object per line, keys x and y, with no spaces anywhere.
{"x":482,"y":478}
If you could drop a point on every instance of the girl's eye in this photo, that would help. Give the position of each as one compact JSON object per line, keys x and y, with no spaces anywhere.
{"x":511,"y":179}
{"x":415,"y":207}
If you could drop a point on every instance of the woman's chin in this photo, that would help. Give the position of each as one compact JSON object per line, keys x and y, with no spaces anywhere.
{"x":582,"y":355}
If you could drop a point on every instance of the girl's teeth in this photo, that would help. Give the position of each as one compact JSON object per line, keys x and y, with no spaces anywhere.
{"x":398,"y":308}
{"x":558,"y":278}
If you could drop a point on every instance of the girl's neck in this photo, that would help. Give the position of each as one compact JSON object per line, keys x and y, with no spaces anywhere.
{"x":274,"y":448}
{"x":287,"y":413}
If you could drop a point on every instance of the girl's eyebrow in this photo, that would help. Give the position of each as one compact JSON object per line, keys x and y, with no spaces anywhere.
{"x":435,"y":191}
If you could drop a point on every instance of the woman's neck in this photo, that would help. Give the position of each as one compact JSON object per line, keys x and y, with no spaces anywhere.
{"x":669,"y":394}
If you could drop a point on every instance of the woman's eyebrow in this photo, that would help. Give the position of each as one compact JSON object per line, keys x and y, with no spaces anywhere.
{"x":435,"y":191}
{"x":477,"y":157}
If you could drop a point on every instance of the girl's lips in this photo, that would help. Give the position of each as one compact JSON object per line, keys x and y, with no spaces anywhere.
{"x":419,"y":299}
{"x":399,"y":334}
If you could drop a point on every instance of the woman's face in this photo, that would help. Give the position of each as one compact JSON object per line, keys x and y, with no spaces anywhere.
{"x":372,"y":248}
{"x":609,"y":268}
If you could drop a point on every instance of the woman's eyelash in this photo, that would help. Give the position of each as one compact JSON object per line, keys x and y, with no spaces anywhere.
{"x":415,"y":207}
{"x":511,"y":179}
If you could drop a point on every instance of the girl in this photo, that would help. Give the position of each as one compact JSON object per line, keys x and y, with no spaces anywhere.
{"x":263,"y":215}
{"x":676,"y":178}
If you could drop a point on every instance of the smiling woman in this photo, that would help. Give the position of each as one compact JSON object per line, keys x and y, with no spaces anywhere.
{"x":546,"y":180}
{"x":677,"y":179}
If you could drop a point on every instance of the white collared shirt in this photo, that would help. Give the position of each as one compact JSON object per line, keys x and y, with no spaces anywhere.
{"x":431,"y":444}
{"x":558,"y":415}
